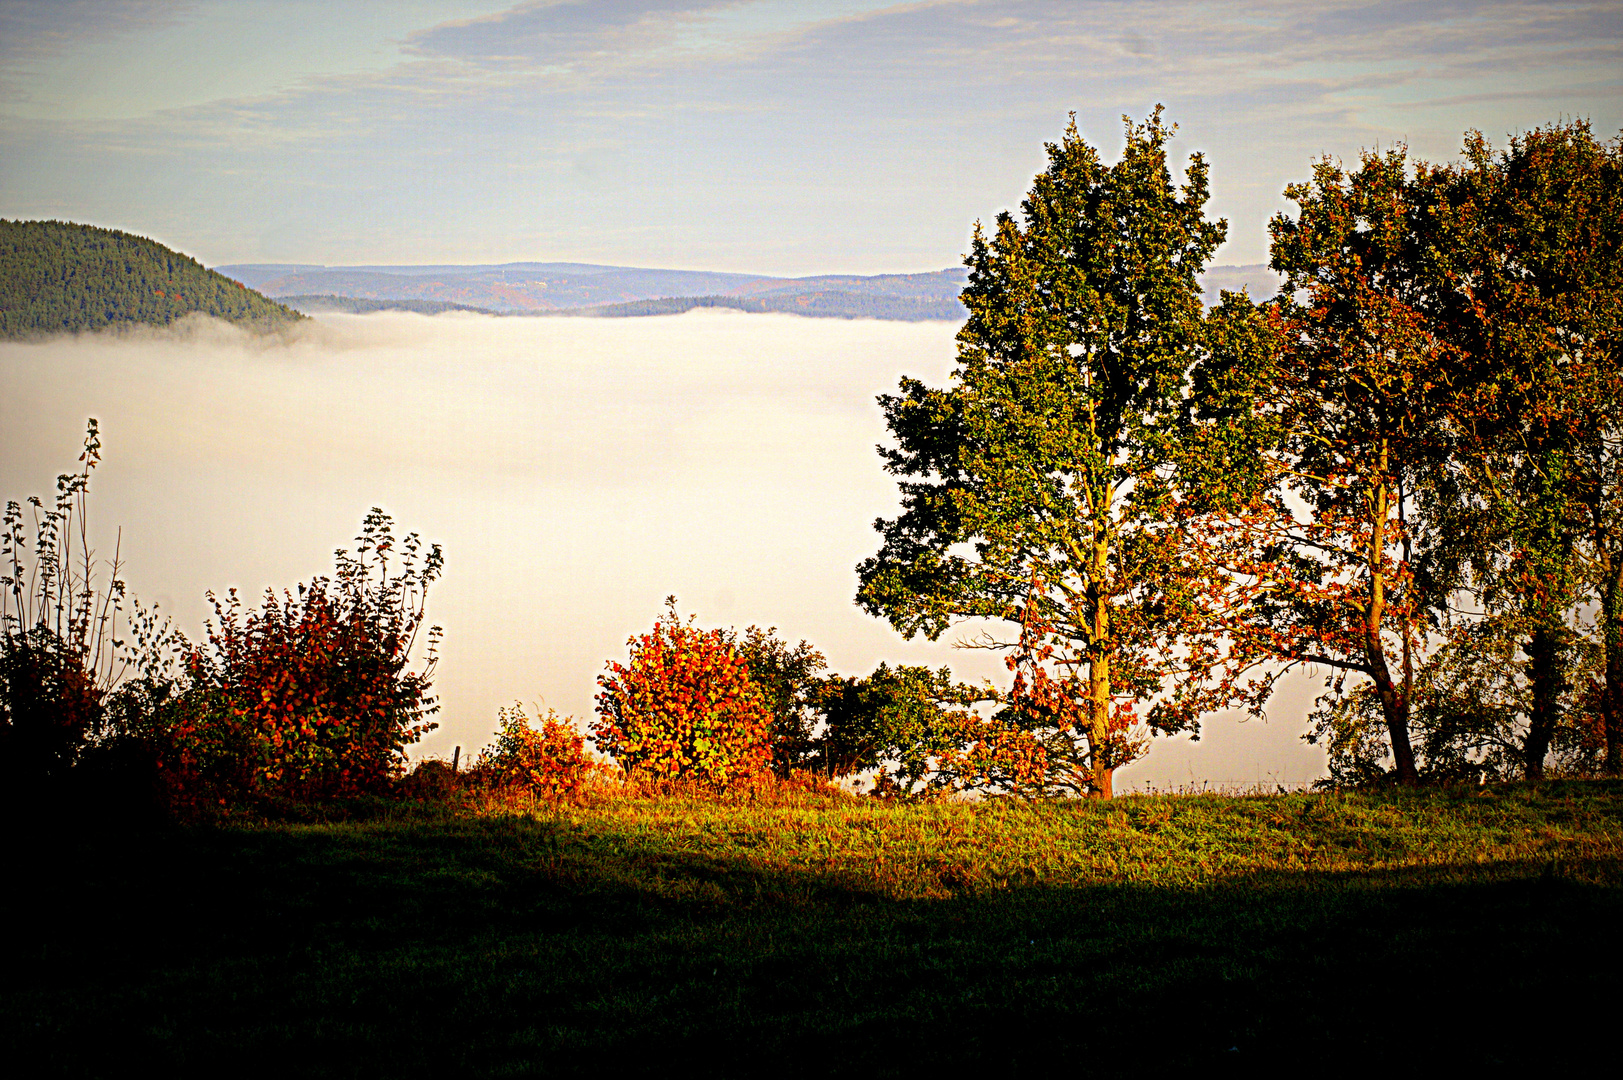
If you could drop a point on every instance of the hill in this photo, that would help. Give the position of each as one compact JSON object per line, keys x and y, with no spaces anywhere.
{"x":831,"y":304}
{"x":543,"y":288}
{"x":57,"y":277}
{"x":324,"y":302}
{"x":539,"y":288}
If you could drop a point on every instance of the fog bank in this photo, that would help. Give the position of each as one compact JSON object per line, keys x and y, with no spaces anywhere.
{"x":576,"y":472}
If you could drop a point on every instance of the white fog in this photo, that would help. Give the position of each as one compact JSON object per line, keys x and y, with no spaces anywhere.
{"x":576,"y":472}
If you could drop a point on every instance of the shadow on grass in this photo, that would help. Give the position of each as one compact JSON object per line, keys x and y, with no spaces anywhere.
{"x":510,"y":947}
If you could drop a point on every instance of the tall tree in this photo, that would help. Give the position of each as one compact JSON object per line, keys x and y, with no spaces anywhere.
{"x":1362,"y":384}
{"x":1603,"y":496}
{"x":1040,"y":488}
{"x":1556,"y":272}
{"x":1527,"y":254}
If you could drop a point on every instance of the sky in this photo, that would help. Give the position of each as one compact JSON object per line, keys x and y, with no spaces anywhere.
{"x":759,"y":136}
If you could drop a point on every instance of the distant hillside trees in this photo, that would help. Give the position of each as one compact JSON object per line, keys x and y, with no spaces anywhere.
{"x":828,"y":304}
{"x":311,"y":304}
{"x":58,"y":277}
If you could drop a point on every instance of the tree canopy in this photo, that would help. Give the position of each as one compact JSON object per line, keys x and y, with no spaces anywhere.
{"x":1445,"y":377}
{"x":1528,"y":260}
{"x":1041,"y":491}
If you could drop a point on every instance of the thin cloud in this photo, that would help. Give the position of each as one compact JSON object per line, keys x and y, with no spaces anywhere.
{"x":851,"y":136}
{"x":34,"y":30}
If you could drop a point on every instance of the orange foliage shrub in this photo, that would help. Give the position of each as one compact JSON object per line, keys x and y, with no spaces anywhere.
{"x":683,"y":708}
{"x":550,"y":762}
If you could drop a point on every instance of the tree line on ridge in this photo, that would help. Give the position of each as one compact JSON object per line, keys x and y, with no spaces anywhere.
{"x":58,"y":277}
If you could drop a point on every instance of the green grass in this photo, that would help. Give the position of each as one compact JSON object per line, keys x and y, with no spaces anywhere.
{"x":1463,"y":927}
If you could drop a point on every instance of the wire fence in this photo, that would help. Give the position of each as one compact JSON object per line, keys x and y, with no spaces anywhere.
{"x":1264,"y":786}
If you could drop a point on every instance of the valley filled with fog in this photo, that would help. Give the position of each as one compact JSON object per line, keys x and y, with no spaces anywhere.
{"x":576,"y":471}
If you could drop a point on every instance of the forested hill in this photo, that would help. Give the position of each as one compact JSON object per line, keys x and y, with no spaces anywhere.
{"x":57,"y":276}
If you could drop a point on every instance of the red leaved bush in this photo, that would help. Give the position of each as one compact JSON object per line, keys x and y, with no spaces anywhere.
{"x":310,"y":696}
{"x":683,"y":708}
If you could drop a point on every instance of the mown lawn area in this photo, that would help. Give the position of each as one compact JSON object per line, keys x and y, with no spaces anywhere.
{"x":1335,"y":932}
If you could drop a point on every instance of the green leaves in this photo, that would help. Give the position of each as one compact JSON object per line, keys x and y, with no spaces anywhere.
{"x":1042,"y":487}
{"x":1530,"y":257}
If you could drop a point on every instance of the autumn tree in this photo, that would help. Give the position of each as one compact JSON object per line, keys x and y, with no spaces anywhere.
{"x":548,"y":759}
{"x":1361,"y":386}
{"x":314,"y":694}
{"x":1525,"y":268}
{"x":1039,"y":488}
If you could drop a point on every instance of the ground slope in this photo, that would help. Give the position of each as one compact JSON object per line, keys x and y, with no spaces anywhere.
{"x":58,"y":277}
{"x":1472,"y":928}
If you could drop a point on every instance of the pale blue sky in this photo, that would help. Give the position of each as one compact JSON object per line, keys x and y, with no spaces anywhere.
{"x":750,"y":135}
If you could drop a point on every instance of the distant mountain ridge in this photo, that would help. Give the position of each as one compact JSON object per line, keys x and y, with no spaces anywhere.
{"x":542,"y":288}
{"x":349,"y":305}
{"x":538,"y":288}
{"x":829,"y":304}
{"x":57,"y":277}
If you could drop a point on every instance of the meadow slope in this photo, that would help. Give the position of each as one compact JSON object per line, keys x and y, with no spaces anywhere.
{"x":1466,"y":926}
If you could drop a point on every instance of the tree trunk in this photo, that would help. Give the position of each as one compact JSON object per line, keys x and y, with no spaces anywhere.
{"x":1099,"y":735}
{"x":1395,"y":711}
{"x":1394,"y":703}
{"x":1543,"y":650}
{"x":1611,"y":699}
{"x":1099,"y":674}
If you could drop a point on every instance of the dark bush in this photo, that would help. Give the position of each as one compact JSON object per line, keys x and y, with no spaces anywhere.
{"x":57,"y":649}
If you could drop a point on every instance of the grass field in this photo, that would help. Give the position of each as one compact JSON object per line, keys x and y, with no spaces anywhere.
{"x":1339,"y":932}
